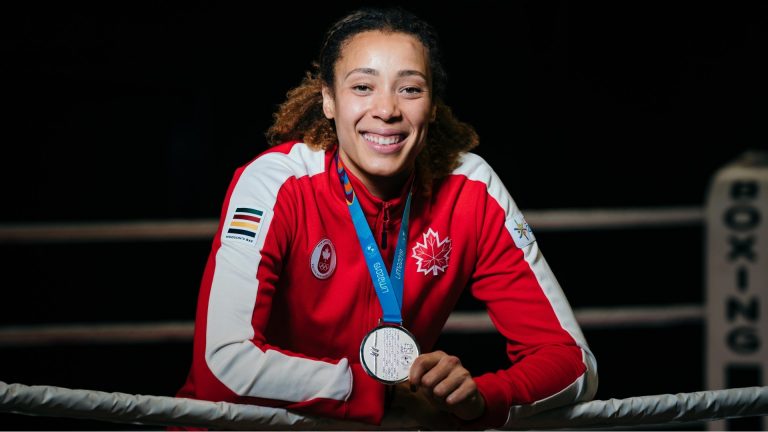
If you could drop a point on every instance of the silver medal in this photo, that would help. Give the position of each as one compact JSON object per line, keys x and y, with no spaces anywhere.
{"x":387,"y":353}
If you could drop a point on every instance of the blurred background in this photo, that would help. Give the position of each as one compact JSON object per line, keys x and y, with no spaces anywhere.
{"x":123,"y":112}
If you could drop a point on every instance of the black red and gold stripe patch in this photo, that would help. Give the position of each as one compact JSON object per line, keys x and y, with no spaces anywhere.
{"x":245,"y":222}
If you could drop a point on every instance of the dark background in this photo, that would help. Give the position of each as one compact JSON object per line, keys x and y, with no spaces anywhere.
{"x":124,"y":111}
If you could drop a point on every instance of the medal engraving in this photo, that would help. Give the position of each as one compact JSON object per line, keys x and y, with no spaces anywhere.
{"x":388,"y":352}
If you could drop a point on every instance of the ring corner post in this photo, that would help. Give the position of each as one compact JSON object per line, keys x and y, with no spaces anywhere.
{"x":737,"y":281}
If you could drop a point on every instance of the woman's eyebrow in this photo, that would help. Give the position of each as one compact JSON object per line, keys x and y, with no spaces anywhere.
{"x":411,"y":72}
{"x":367,"y":71}
{"x":374,"y":72}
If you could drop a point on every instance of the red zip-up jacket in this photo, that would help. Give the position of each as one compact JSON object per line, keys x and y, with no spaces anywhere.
{"x":286,"y":296}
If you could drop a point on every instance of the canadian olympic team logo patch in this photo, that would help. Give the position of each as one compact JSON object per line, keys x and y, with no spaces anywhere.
{"x":323,"y":259}
{"x":432,"y":255}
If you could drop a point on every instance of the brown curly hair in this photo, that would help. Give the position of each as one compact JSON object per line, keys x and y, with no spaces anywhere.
{"x":301,"y":116}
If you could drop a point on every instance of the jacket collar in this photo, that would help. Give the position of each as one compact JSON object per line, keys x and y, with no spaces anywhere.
{"x":372,"y":206}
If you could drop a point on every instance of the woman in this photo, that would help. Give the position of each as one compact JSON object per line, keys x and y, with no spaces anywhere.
{"x":343,"y":249}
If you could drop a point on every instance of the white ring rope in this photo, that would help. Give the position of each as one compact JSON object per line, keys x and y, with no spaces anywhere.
{"x":92,"y":334}
{"x":657,"y":409}
{"x":157,"y":230}
{"x":458,"y":322}
{"x":163,"y":410}
{"x":595,"y":218}
{"x":148,"y":230}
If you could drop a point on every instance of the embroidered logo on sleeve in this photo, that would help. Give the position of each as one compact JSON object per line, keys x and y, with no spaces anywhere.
{"x":245,"y":225}
{"x":521,"y":232}
{"x":432,"y":255}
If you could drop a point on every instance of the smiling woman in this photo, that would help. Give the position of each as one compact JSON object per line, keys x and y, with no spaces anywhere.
{"x":421,"y":80}
{"x":381,"y":103}
{"x":365,"y":151}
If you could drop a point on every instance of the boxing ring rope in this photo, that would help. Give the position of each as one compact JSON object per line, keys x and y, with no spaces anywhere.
{"x":163,"y":410}
{"x":200,"y":229}
{"x":458,"y":322}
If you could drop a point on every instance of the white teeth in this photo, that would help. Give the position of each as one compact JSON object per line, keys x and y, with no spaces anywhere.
{"x":382,"y":140}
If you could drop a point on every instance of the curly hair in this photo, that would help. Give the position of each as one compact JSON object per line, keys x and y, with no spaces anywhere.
{"x":301,"y":116}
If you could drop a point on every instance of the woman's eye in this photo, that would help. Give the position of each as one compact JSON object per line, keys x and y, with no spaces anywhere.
{"x":361,"y":88}
{"x":412,"y":91}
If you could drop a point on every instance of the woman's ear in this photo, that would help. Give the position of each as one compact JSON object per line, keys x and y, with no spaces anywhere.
{"x":328,"y":105}
{"x":433,"y":113}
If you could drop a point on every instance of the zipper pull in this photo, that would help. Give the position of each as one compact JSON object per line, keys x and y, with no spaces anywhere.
{"x":384,"y":226}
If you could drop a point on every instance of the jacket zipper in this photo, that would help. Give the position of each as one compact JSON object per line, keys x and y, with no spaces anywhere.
{"x":384,"y":226}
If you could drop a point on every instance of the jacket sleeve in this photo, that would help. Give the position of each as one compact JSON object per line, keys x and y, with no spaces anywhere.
{"x":233,"y":360}
{"x":551,"y":364}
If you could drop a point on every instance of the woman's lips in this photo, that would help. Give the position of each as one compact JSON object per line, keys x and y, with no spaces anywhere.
{"x":384,"y":144}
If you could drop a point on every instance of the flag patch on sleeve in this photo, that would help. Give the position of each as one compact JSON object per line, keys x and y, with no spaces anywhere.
{"x":245,"y":224}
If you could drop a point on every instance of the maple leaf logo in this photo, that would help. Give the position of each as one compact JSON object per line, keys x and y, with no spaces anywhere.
{"x":432,"y":255}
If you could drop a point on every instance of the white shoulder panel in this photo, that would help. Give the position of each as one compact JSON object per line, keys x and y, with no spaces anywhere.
{"x":229,"y":352}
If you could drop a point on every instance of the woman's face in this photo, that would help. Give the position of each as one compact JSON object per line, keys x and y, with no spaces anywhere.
{"x":382,"y":105}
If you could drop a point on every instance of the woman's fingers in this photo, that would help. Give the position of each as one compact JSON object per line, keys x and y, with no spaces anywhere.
{"x":448,"y":384}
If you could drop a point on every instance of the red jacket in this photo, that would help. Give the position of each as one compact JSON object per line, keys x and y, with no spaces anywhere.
{"x":286,"y":297}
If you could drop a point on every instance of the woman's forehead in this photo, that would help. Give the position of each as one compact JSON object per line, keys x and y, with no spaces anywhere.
{"x":379,"y":51}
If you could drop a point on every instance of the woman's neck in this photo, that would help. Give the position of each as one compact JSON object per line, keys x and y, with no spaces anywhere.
{"x":384,"y":188}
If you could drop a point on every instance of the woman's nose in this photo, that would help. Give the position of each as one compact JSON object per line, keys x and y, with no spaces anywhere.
{"x":385,"y":106}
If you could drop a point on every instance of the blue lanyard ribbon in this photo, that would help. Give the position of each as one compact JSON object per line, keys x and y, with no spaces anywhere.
{"x":389,"y":287}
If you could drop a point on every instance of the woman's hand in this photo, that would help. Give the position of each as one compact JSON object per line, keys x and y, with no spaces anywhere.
{"x":447,"y":384}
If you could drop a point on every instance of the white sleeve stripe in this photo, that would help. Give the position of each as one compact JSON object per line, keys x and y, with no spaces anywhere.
{"x":475,"y":168}
{"x":582,"y":389}
{"x":231,"y":356}
{"x":554,"y":293}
